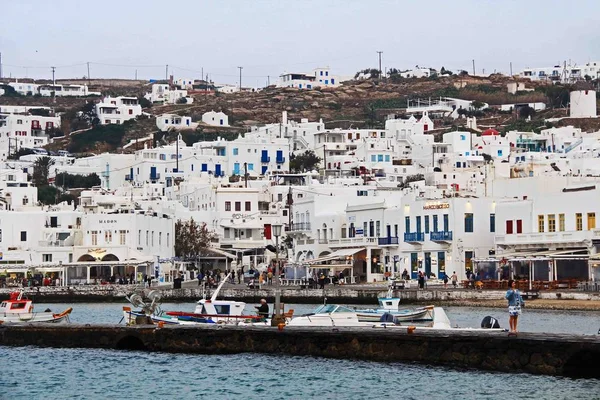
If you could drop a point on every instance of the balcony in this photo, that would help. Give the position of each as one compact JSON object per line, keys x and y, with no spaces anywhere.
{"x":128,"y":177}
{"x":265,"y":159}
{"x":53,"y":243}
{"x":154,"y":177}
{"x":353,"y":242}
{"x":280,"y":160}
{"x":444,"y":236}
{"x":302,"y":226}
{"x":414,"y":237}
{"x":547,"y":238}
{"x":388,"y":241}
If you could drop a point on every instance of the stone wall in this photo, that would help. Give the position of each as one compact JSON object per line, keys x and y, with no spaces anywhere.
{"x":568,"y":355}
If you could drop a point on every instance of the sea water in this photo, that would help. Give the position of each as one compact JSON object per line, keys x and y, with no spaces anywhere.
{"x":48,"y":373}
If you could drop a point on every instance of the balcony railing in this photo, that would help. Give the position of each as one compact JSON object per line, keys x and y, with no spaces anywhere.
{"x":264,"y":159}
{"x":154,"y":177}
{"x":323,"y":241}
{"x":51,"y":243}
{"x":386,"y":241}
{"x":444,"y":236}
{"x":280,"y":160}
{"x":302,"y":226}
{"x":413,"y":237}
{"x":128,"y":177}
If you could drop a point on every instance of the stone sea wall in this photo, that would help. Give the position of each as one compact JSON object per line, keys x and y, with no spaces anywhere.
{"x":567,"y":355}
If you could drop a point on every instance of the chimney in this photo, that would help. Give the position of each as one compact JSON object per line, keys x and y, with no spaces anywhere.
{"x":284,"y":119}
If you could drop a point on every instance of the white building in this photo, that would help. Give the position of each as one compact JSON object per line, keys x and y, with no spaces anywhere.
{"x":167,"y":122}
{"x":24,"y":131}
{"x":163,"y":94}
{"x":418,"y":72}
{"x":215,"y":118}
{"x":563,"y":73}
{"x":583,"y":104}
{"x":319,"y":77}
{"x":58,"y":90}
{"x":116,"y":110}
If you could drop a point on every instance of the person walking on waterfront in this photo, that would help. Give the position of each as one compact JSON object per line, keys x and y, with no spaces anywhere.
{"x":445,"y":280}
{"x":239,"y":275}
{"x":421,"y":280}
{"x":454,"y":279}
{"x":515,"y":302}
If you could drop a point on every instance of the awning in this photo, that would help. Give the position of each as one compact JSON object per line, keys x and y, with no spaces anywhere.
{"x":220,"y":252}
{"x":338,"y":267}
{"x":336,"y":254}
{"x":545,"y":255}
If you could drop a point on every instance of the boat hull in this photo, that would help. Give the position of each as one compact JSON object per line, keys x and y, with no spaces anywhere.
{"x":424,"y":314}
{"x":45,"y":317}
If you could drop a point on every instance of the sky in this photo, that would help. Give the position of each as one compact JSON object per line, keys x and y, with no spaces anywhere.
{"x":268,"y":38}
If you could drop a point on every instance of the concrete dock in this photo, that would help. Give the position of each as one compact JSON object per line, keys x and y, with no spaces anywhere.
{"x":563,"y":355}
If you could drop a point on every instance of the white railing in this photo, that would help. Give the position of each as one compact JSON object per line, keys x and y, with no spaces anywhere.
{"x":361,"y":241}
{"x":547,"y":237}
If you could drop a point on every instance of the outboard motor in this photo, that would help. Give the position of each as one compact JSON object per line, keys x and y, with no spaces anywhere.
{"x":387,"y":318}
{"x":490,"y":323}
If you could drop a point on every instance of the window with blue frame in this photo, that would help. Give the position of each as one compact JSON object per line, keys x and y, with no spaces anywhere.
{"x":492,"y":223}
{"x":321,"y":73}
{"x":235,"y":151}
{"x":469,"y":222}
{"x":463,"y":137}
{"x":419,"y":224}
{"x":387,"y":158}
{"x":435,"y":223}
{"x":407,"y":224}
{"x":236,"y":168}
{"x":500,"y":153}
{"x":162,"y":157}
{"x":327,"y":81}
{"x":332,"y":81}
{"x":467,"y":153}
{"x":458,"y":164}
{"x":380,"y":157}
{"x":373,"y":158}
{"x":326,"y":73}
{"x":204,"y":167}
{"x":445,"y":222}
{"x":192,"y":167}
{"x":427,"y":224}
{"x":250,"y":167}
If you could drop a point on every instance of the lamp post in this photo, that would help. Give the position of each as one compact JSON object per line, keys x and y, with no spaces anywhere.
{"x":277,"y":318}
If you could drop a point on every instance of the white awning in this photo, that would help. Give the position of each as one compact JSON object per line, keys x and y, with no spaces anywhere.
{"x":336,"y":254}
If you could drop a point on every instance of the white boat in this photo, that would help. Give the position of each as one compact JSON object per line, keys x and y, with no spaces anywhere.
{"x":391,"y":305}
{"x":19,"y":309}
{"x":207,"y":311}
{"x":333,"y":315}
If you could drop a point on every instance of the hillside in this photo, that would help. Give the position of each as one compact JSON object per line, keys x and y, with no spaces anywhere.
{"x":358,"y":104}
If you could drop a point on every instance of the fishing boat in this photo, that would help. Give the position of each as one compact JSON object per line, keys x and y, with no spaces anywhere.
{"x":207,"y":311}
{"x":391,"y":305}
{"x":333,"y":315}
{"x":19,"y":309}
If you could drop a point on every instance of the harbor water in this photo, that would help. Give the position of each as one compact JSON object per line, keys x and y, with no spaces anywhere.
{"x":50,"y":373}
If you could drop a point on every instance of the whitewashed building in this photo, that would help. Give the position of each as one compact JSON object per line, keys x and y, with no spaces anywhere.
{"x":167,"y":122}
{"x":215,"y":118}
{"x":116,"y":110}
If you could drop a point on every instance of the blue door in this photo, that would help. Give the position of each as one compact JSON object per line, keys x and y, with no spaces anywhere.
{"x":204,"y":168}
{"x":264,"y":156}
{"x":131,"y":173}
{"x":217,"y":169}
{"x":279,"y":156}
{"x":264,"y":170}
{"x":152,"y":172}
{"x":427,"y":263}
{"x":236,"y":168}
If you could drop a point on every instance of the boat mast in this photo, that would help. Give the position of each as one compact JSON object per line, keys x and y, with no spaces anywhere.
{"x":216,"y":293}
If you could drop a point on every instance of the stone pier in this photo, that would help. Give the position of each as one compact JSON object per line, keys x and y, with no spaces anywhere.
{"x":565,"y":355}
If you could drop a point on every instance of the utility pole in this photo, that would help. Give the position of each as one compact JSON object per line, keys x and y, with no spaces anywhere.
{"x":379,"y":52}
{"x":0,"y":65}
{"x":53,"y":85}
{"x":241,"y":77}
{"x":167,"y":72}
{"x":136,"y":74}
{"x":511,"y":69}
{"x":268,"y":80}
{"x":245,"y":175}
{"x":473,"y":67}
{"x":88,"y":67}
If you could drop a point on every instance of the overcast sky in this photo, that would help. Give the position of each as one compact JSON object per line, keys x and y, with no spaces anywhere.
{"x":270,"y":37}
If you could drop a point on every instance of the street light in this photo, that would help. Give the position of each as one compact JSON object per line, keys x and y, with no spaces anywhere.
{"x":277,"y":319}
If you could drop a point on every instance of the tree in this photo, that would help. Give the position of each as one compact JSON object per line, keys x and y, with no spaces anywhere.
{"x":69,"y":181}
{"x":48,"y":195}
{"x":307,"y":161}
{"x":41,"y":170}
{"x":526,"y":112}
{"x":144,"y":102}
{"x":192,"y":241}
{"x":182,"y":100}
{"x":477,"y":104}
